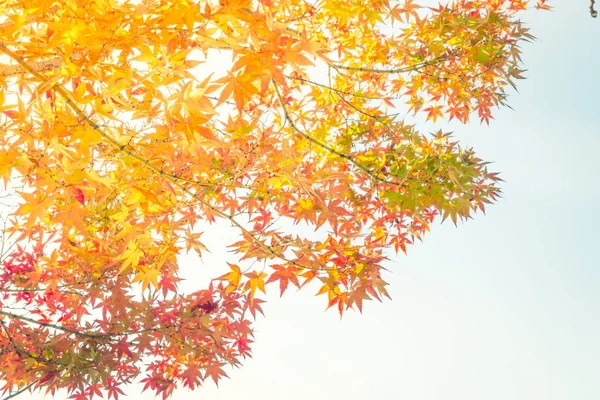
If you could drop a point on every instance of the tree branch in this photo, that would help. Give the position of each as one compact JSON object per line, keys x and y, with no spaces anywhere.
{"x":372,"y":174}
{"x":57,"y":327}
{"x":65,"y":95}
{"x":18,"y":392}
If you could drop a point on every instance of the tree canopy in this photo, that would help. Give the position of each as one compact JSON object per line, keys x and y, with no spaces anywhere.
{"x":121,"y":146}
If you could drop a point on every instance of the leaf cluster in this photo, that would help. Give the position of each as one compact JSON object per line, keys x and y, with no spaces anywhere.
{"x":120,"y":143}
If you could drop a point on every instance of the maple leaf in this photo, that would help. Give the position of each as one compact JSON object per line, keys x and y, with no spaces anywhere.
{"x":147,"y":276}
{"x":256,"y":280}
{"x":284,"y":275}
{"x":434,"y":112}
{"x":192,"y":376}
{"x":253,"y":305}
{"x":79,"y":196}
{"x":233,"y":278}
{"x":215,"y":371}
{"x":192,"y":241}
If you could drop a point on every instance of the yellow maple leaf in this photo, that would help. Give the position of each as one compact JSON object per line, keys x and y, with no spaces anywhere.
{"x":232,"y":277}
{"x":147,"y":276}
{"x":35,"y":206}
{"x":257,"y":281}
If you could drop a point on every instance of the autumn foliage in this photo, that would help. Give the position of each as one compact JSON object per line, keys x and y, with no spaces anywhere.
{"x":122,"y":148}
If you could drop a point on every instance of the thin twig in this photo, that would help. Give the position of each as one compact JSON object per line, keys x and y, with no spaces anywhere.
{"x":373,"y":174}
{"x":57,"y":327}
{"x":18,"y":392}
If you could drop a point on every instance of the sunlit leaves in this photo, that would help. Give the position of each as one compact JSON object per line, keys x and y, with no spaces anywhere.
{"x":232,"y":278}
{"x":128,"y":127}
{"x":284,"y":275}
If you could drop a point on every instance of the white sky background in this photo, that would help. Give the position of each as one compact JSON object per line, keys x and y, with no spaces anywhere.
{"x":503,"y":307}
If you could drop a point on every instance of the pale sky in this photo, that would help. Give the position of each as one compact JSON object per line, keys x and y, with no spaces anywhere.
{"x":503,"y":307}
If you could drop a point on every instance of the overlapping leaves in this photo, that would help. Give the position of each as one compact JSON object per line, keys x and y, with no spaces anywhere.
{"x":120,"y":142}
